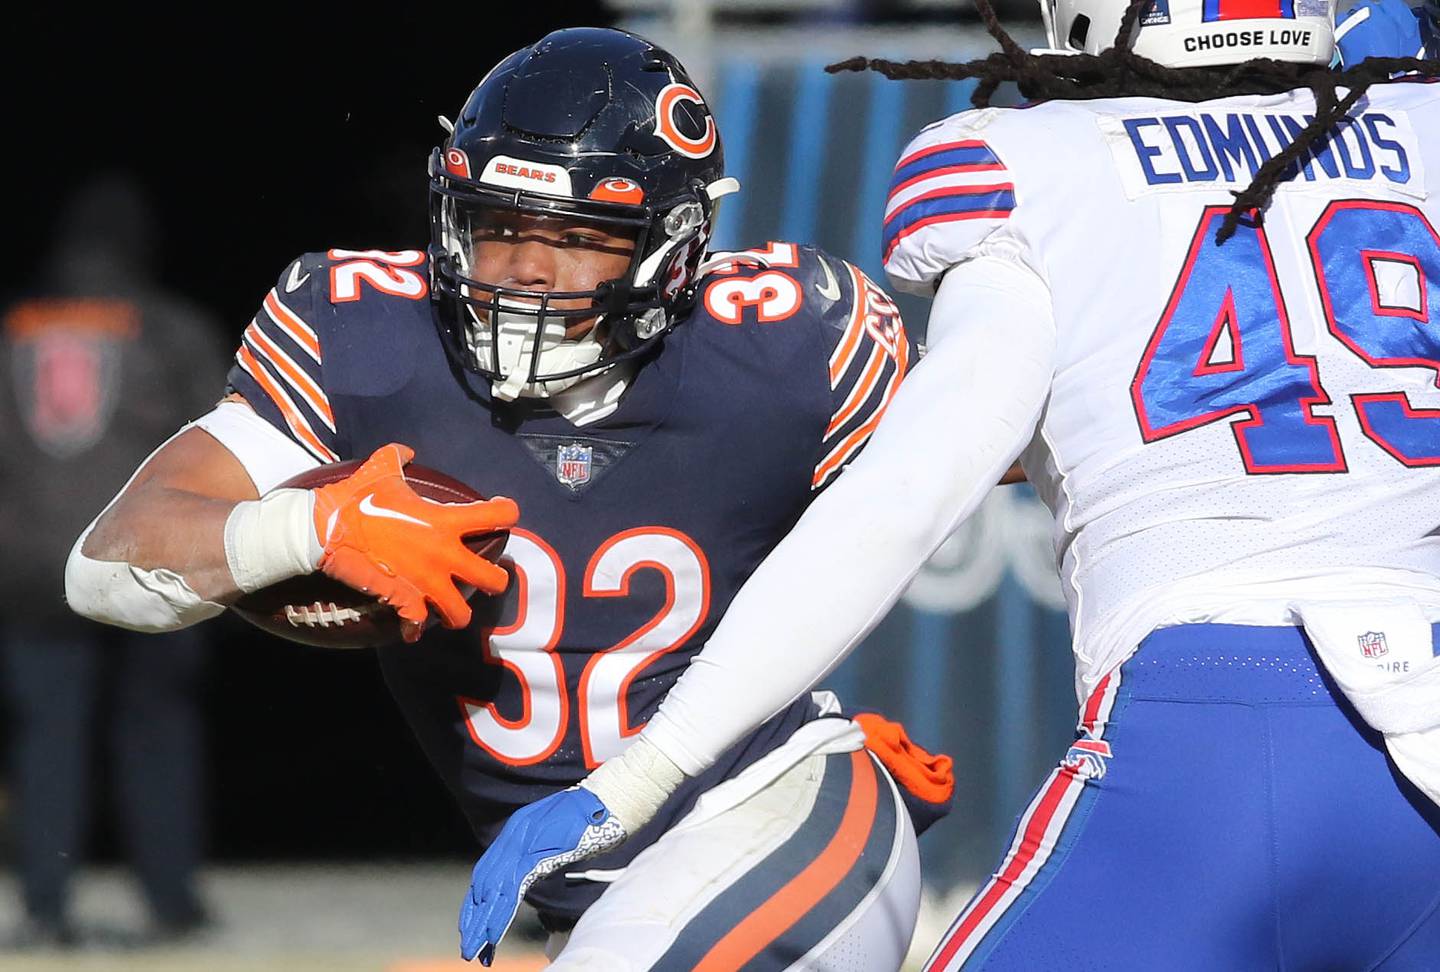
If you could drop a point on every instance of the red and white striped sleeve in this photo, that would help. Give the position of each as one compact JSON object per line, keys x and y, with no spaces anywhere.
{"x":950,"y":190}
{"x":869,"y":356}
{"x":279,"y":366}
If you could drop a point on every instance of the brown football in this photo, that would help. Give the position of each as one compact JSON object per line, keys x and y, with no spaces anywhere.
{"x":317,"y":610}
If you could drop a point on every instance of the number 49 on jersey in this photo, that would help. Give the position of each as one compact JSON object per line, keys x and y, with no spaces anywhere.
{"x":1223,"y":347}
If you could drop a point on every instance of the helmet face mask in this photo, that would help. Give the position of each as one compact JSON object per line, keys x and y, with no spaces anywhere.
{"x":534,"y":341}
{"x":588,"y":131}
{"x":1198,"y":33}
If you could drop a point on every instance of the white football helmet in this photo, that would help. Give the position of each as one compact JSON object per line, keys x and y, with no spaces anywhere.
{"x":1199,"y":33}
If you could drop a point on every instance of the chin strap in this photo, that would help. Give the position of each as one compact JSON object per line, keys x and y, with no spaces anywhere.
{"x":509,"y":389}
{"x":561,"y":356}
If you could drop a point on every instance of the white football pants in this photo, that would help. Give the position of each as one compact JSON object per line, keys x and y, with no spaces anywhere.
{"x":805,"y":860}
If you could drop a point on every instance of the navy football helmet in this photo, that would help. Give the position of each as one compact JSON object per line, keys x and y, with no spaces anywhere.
{"x":590,"y":125}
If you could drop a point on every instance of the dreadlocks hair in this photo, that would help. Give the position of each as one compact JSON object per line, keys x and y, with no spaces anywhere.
{"x":1120,"y":72}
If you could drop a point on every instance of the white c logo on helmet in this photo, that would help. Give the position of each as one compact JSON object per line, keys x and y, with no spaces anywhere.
{"x":665,"y":103}
{"x":457,"y":163}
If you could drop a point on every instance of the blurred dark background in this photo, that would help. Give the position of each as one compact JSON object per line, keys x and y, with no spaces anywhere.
{"x":256,"y":136}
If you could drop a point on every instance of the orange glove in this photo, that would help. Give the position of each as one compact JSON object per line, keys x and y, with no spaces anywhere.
{"x":382,"y":538}
{"x":930,"y":778}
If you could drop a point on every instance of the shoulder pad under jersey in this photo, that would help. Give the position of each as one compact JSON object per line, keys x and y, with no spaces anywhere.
{"x":951,"y":189}
{"x":280,"y":366}
{"x":849,"y":325}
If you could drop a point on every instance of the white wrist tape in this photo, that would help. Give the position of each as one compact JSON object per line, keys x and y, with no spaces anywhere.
{"x":272,"y":538}
{"x":634,"y":784}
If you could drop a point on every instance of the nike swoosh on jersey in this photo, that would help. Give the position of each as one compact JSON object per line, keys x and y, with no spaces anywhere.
{"x":294,"y":282}
{"x":368,"y":507}
{"x":830,"y":290}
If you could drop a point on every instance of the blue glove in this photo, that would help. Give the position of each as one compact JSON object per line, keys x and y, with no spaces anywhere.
{"x":537,"y":840}
{"x":1378,"y":28}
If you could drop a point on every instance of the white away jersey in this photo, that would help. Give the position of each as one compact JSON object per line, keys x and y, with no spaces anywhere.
{"x":1232,"y":429}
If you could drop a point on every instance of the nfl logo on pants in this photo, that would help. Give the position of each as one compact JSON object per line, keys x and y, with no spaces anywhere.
{"x":572,"y":464}
{"x":1372,"y":644}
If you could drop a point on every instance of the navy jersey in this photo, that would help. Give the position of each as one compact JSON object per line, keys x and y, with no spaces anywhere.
{"x":635,"y":530}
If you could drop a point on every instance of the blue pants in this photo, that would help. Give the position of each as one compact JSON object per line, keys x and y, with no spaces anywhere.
{"x":1222,"y":809}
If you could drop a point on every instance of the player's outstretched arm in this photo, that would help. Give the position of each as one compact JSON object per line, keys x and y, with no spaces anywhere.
{"x":956,"y":424}
{"x":189,"y":533}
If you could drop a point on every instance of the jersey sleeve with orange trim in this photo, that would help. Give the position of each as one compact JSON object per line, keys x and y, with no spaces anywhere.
{"x":951,"y":189}
{"x":279,"y":366}
{"x":867,"y":354}
{"x":803,"y":309}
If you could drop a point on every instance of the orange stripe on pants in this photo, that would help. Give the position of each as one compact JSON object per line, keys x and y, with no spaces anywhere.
{"x":788,"y":905}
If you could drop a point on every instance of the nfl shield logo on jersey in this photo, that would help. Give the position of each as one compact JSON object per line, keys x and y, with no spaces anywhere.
{"x":572,"y":464}
{"x":1372,"y":644}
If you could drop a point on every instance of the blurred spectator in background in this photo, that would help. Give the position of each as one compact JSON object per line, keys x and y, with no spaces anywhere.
{"x":97,"y":368}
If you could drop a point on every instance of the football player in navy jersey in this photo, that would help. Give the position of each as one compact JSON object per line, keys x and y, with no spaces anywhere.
{"x":661,"y":415}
